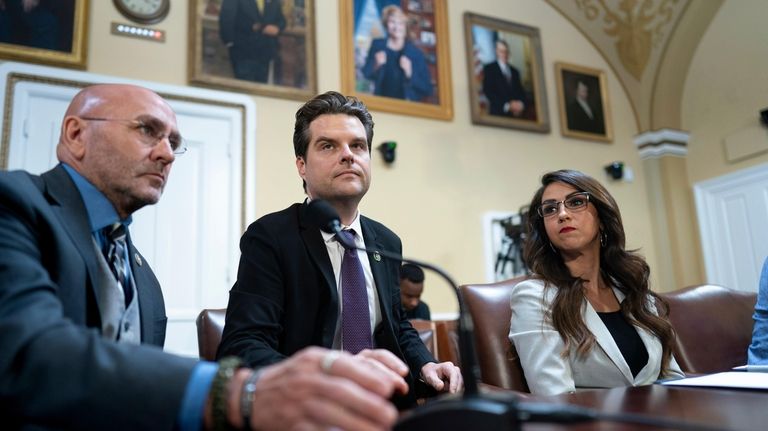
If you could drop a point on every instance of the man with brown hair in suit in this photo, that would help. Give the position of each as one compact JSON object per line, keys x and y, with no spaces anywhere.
{"x":290,"y":291}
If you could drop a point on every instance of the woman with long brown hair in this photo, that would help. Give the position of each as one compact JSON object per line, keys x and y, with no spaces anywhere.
{"x":587,"y":317}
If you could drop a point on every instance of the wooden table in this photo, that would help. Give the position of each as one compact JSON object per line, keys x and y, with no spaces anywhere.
{"x":727,"y":409}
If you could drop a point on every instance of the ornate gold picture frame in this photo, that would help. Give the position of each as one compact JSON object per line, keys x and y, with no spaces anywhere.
{"x":505,"y":72}
{"x":52,"y":33}
{"x":229,"y":50}
{"x":395,"y":58}
{"x":585,"y":111}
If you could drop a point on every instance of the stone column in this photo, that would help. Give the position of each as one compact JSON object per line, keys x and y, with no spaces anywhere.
{"x":673,"y":212}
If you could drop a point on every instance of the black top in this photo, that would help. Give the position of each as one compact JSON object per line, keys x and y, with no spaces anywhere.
{"x":627,"y":339}
{"x":421,"y":311}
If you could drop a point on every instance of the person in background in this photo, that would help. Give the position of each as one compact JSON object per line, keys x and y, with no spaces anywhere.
{"x":82,"y":317}
{"x":411,"y":288}
{"x":758,"y":350}
{"x":587,"y":317}
{"x":250,"y":28}
{"x":394,"y":64}
{"x":297,"y":286}
{"x":581,"y":114}
{"x":502,"y":86}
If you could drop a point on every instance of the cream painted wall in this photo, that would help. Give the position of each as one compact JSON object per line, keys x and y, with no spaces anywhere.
{"x":447,"y":174}
{"x":727,"y":86}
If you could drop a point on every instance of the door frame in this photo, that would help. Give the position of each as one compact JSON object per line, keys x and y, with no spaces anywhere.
{"x":709,"y":195}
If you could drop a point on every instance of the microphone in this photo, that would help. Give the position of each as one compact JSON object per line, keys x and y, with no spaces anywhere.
{"x":321,"y":214}
{"x":472,"y":410}
{"x":469,"y":411}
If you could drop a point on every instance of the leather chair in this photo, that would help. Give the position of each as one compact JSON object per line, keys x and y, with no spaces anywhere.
{"x":713,"y":326}
{"x":210,"y":325}
{"x":498,"y":360}
{"x":448,"y":341}
{"x":428,"y":333}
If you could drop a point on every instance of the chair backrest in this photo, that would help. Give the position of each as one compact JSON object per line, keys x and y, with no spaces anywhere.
{"x":210,"y":325}
{"x":713,"y":326}
{"x":427,"y":332}
{"x":448,"y":341}
{"x":498,"y":360}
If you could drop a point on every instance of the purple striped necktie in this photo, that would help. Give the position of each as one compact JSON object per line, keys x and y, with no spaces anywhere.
{"x":355,"y":317}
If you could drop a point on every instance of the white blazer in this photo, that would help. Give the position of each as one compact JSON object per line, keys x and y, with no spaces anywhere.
{"x":540,"y":346}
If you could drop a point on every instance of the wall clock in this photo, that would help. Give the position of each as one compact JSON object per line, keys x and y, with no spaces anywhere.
{"x":144,"y":11}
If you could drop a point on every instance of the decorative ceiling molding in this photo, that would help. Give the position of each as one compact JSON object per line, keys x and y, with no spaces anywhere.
{"x":635,"y":28}
{"x":632,"y":36}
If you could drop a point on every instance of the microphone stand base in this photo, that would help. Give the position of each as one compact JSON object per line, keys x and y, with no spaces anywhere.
{"x":467,"y":413}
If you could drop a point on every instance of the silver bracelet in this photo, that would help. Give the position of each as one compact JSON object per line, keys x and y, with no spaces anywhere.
{"x":246,"y":398}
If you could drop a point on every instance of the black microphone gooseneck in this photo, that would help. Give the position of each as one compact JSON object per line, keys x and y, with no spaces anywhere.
{"x":327,"y":219}
{"x":471,"y":410}
{"x":497,"y":411}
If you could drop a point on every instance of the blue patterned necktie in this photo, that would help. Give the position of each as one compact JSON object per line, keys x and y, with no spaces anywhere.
{"x":355,"y":317}
{"x":115,"y":255}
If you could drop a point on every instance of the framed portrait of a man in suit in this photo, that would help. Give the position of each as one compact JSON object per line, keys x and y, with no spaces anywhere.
{"x":50,"y":32}
{"x":505,"y":71}
{"x":264,"y":47}
{"x":394,"y":56}
{"x":583,"y":100}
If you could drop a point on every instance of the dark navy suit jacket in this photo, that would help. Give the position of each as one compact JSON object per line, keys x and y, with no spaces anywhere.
{"x":56,"y":370}
{"x":500,"y":91}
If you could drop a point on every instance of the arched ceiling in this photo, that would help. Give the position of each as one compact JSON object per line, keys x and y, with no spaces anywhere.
{"x":648,"y":44}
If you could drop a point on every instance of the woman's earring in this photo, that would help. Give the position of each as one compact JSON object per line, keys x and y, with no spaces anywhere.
{"x":603,"y":238}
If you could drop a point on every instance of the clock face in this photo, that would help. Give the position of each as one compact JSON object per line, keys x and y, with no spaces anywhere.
{"x":144,"y":11}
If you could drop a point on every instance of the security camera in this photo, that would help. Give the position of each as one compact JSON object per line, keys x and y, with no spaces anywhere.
{"x":387,"y":150}
{"x":615,"y":170}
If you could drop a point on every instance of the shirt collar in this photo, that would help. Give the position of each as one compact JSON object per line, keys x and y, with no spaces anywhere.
{"x":101,"y":212}
{"x":356,"y":226}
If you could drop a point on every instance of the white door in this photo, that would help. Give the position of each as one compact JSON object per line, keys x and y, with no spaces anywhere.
{"x":191,"y":237}
{"x":733,"y":221}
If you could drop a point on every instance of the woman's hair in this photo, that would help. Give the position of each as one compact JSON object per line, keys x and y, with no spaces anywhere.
{"x":388,"y":11}
{"x":624,"y":269}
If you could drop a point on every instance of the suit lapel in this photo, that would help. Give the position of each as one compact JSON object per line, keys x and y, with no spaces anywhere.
{"x":378,"y":268}
{"x":313,"y":241}
{"x":68,"y":205}
{"x":605,"y":339}
{"x":145,"y":281}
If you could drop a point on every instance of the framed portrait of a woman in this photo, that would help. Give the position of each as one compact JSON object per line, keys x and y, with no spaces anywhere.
{"x":504,"y":64}
{"x":262,"y":47}
{"x":394,"y":56}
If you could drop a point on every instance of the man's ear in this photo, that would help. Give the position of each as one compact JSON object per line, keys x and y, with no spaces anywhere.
{"x":301,"y":166}
{"x":72,"y":130}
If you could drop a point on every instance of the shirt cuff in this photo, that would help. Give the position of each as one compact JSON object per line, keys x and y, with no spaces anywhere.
{"x":193,"y":404}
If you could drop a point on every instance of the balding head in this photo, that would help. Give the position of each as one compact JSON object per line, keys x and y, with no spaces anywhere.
{"x":111,"y":136}
{"x":98,"y":101}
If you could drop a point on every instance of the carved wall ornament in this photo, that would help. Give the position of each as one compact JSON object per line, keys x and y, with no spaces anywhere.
{"x":639,"y":27}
